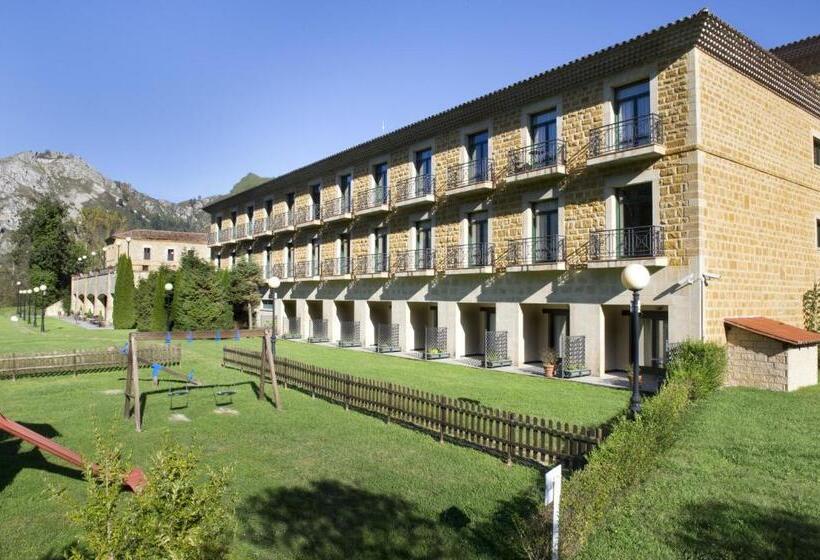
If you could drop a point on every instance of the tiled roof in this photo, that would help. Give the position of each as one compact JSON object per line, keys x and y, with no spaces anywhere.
{"x":776,"y":330}
{"x":701,"y":29}
{"x":803,"y":54}
{"x":162,"y":235}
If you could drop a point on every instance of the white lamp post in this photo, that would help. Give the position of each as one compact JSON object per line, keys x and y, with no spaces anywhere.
{"x":36,"y":291}
{"x":635,"y":277}
{"x":128,"y":246}
{"x":273,"y":283}
{"x":168,"y":289}
{"x":43,"y":289}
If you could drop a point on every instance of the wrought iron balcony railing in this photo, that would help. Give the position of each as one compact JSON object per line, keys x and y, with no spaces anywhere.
{"x":280,"y":270}
{"x":227,"y":234}
{"x":245,"y":230}
{"x":339,"y":266}
{"x":412,"y":188}
{"x":213,"y":237}
{"x":335,"y":207}
{"x":281,"y":221}
{"x":318,"y":330}
{"x":537,"y":156}
{"x":625,"y":135}
{"x":470,"y":173}
{"x":412,"y":261}
{"x":306,"y":269}
{"x":374,"y":263}
{"x":472,"y":255}
{"x":292,"y":328}
{"x":627,"y":243}
{"x":261,"y":226}
{"x":305,"y":214}
{"x":350,"y":333}
{"x":372,"y":198}
{"x":536,"y":250}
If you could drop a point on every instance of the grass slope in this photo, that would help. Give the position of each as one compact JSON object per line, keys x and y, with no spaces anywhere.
{"x":740,"y":483}
{"x":313,"y":481}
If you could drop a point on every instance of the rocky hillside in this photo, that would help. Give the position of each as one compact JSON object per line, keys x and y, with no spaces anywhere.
{"x":26,"y":176}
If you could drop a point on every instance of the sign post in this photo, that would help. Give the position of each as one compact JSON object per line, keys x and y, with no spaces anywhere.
{"x":552,"y":495}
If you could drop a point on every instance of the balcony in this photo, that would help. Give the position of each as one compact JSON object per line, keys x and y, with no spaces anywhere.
{"x":470,"y":177}
{"x":244,"y":231}
{"x":375,"y":265}
{"x":536,"y":254}
{"x":336,"y":269}
{"x":414,"y":190}
{"x":619,"y":247}
{"x":539,"y":161}
{"x":227,"y":235}
{"x":283,"y":271}
{"x":473,"y":258}
{"x":307,"y":216}
{"x":306,"y":270}
{"x":213,"y":238}
{"x":336,"y":210}
{"x":373,"y":201}
{"x":262,"y":227}
{"x":421,"y":262}
{"x":283,"y":222}
{"x":625,"y":141}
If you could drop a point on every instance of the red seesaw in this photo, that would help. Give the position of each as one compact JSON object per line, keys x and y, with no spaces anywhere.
{"x":134,"y":481}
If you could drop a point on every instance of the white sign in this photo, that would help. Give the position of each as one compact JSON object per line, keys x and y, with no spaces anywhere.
{"x":552,"y":495}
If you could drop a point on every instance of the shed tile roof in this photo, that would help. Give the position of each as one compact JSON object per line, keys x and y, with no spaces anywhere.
{"x":162,"y":235}
{"x":776,"y":330}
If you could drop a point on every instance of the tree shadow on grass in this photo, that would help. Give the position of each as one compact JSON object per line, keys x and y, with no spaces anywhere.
{"x":12,"y":461}
{"x":335,"y":521}
{"x":499,"y":535}
{"x":746,"y":531}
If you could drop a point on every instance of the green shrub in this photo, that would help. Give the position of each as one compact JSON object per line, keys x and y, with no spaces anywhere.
{"x":124,"y":314}
{"x":618,"y":465}
{"x":702,"y":363}
{"x":144,"y":301}
{"x":200,"y":299}
{"x":181,"y":513}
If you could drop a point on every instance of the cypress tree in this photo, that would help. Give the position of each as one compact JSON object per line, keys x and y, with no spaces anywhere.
{"x":200,"y":297}
{"x":143,"y":301}
{"x":159,"y":312}
{"x":124,"y":313}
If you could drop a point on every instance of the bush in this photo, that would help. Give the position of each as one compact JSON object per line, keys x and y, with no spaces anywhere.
{"x":703,"y":364}
{"x":124,"y":314}
{"x":179,"y":514}
{"x":144,"y":300}
{"x":620,"y":463}
{"x":200,"y":298}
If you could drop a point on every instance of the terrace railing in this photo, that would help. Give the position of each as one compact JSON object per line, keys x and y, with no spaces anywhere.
{"x":627,"y":243}
{"x":470,"y":173}
{"x":318,"y":330}
{"x":261,"y":226}
{"x":535,"y":157}
{"x":413,"y":261}
{"x":573,"y":357}
{"x":374,"y":263}
{"x":306,"y":269}
{"x":339,"y":266}
{"x":293,"y":328}
{"x":414,"y":187}
{"x":350,"y":334}
{"x":213,"y":237}
{"x":626,"y":135}
{"x":280,"y":270}
{"x":535,"y":250}
{"x":372,"y":198}
{"x":435,"y":343}
{"x":387,"y":337}
{"x":336,"y":207}
{"x":305,"y":214}
{"x":495,"y":349}
{"x":471,"y":255}
{"x":281,"y":221}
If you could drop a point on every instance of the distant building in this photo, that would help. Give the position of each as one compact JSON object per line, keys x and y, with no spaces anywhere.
{"x":149,"y":249}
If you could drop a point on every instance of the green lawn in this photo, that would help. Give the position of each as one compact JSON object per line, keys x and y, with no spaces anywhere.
{"x":741,"y":483}
{"x":313,"y":481}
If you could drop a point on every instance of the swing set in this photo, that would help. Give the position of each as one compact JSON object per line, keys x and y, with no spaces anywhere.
{"x":132,"y":407}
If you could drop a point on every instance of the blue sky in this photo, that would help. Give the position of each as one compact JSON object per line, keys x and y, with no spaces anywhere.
{"x":183,"y":98}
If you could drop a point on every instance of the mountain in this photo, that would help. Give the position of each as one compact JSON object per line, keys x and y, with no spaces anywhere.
{"x":27,"y":176}
{"x":248,"y":182}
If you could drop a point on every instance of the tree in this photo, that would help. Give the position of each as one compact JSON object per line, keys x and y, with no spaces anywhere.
{"x":44,"y":246}
{"x":96,"y":224}
{"x":811,"y":308}
{"x":159,"y":301}
{"x":143,"y":301}
{"x":245,"y":280}
{"x":124,"y":312}
{"x":200,"y":300}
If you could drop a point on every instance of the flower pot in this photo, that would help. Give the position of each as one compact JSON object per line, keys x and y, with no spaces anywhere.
{"x":549,"y":370}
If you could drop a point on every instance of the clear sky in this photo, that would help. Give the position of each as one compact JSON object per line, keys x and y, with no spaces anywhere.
{"x":182,"y":98}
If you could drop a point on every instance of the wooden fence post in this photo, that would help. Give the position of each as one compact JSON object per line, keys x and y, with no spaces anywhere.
{"x":74,"y":362}
{"x":510,"y":437}
{"x":442,"y":418}
{"x":347,"y":392}
{"x":272,"y":367}
{"x":389,"y":401}
{"x":14,"y":367}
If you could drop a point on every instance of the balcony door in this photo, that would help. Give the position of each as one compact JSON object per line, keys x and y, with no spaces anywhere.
{"x":543,"y":133}
{"x":424,"y":170}
{"x":479,"y":238}
{"x":635,"y":235}
{"x":345,"y":192}
{"x":380,"y":180}
{"x":631,"y":112}
{"x":545,"y":232}
{"x":654,"y":341}
{"x":315,"y":198}
{"x":424,"y":245}
{"x":289,"y":260}
{"x":315,"y":253}
{"x":478,"y":153}
{"x":344,"y":253}
{"x":380,"y":245}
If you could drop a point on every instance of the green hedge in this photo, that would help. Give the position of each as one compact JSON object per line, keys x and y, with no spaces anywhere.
{"x":616,"y":468}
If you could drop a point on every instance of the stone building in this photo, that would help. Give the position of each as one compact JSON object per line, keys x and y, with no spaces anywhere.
{"x":93,"y":291}
{"x":499,"y":228}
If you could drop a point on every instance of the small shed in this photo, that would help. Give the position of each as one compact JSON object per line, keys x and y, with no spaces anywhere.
{"x":768,"y":354}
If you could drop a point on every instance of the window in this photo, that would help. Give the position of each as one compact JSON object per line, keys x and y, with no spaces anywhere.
{"x":424,"y":245}
{"x":146,"y":253}
{"x":316,"y":194}
{"x":249,"y":213}
{"x":170,"y":256}
{"x":380,"y":180}
{"x":817,"y":151}
{"x":424,"y":162}
{"x":344,"y":253}
{"x":545,"y":244}
{"x":289,"y":200}
{"x":345,"y":190}
{"x":631,"y":109}
{"x":478,"y":155}
{"x":634,"y":215}
{"x":380,"y":244}
{"x":543,"y":133}
{"x":315,"y":250}
{"x":268,"y":207}
{"x":233,"y":218}
{"x":289,"y":260}
{"x":479,"y":237}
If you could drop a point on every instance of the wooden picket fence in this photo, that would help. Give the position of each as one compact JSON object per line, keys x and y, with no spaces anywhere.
{"x":513,"y":436}
{"x":59,"y":362}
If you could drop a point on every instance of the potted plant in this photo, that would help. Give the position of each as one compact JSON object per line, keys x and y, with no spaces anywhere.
{"x":549,"y":358}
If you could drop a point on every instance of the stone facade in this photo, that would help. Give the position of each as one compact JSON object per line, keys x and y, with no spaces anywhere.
{"x":764,"y":363}
{"x":733,"y":191}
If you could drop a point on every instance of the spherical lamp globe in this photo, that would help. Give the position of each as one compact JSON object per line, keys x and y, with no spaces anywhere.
{"x":274,"y":282}
{"x":635,"y":277}
{"x":168,"y":286}
{"x":43,"y":287}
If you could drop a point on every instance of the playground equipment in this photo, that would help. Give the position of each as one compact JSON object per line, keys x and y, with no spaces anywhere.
{"x":132,"y":405}
{"x":134,"y":481}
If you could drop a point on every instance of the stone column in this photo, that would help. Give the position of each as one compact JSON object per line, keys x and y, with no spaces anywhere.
{"x":587,"y":319}
{"x":509,"y":317}
{"x":449,"y":315}
{"x":304,"y":318}
{"x":361,"y":313}
{"x":400,"y":314}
